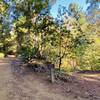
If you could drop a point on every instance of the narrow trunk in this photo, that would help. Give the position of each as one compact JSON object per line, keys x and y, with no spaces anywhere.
{"x":60,"y":61}
{"x":60,"y":58}
{"x":19,"y":39}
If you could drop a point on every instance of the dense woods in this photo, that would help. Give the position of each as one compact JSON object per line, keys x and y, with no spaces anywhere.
{"x":71,"y":41}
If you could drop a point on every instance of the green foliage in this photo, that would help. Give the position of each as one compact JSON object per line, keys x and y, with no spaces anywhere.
{"x":28,"y":53}
{"x":2,"y":55}
{"x":68,"y":44}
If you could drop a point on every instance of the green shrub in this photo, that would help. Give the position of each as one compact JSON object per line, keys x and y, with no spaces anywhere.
{"x":2,"y":55}
{"x":28,"y":53}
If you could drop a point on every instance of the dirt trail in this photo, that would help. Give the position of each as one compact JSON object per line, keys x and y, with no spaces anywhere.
{"x":14,"y":85}
{"x":17,"y":83}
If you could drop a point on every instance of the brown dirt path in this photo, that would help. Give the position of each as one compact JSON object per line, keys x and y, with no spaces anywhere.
{"x":18,"y":83}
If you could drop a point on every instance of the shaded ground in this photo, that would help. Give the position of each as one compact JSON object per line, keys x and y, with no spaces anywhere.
{"x":19,"y":83}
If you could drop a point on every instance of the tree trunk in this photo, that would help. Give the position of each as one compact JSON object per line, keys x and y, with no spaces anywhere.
{"x":60,"y":58}
{"x":60,"y":62}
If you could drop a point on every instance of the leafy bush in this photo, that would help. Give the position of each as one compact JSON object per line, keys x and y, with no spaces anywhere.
{"x":28,"y":53}
{"x":12,"y":50}
{"x":2,"y":55}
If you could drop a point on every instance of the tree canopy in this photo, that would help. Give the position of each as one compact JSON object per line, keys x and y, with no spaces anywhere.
{"x":27,"y":29}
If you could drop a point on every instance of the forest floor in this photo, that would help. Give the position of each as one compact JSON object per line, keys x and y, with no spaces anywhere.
{"x":19,"y":83}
